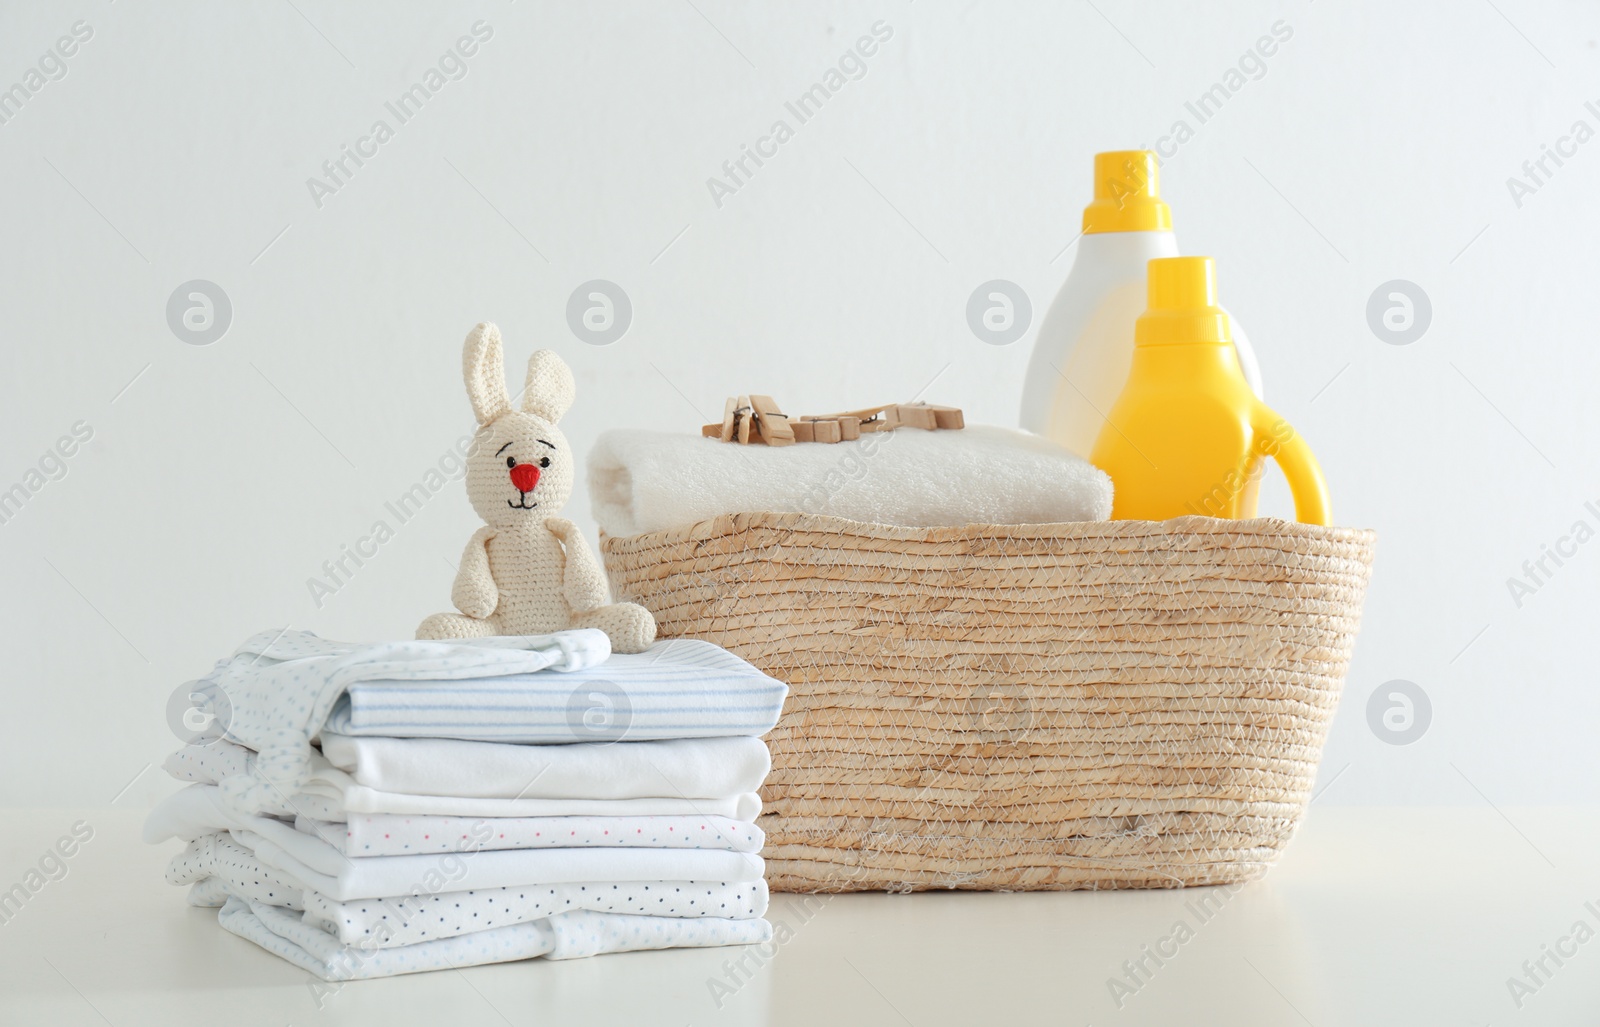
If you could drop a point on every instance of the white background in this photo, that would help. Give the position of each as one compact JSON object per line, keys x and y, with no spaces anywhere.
{"x":1376,"y":146}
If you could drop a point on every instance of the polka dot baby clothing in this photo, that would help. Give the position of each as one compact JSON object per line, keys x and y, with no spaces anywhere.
{"x":385,"y":923}
{"x":341,"y":877}
{"x":387,"y":834}
{"x":564,"y":936}
{"x":216,"y":867}
{"x":465,"y":837}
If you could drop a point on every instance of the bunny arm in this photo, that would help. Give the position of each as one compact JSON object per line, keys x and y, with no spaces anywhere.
{"x":474,"y":592}
{"x":583,"y":585}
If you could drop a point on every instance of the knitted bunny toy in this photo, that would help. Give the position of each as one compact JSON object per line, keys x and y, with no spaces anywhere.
{"x":527,"y":571}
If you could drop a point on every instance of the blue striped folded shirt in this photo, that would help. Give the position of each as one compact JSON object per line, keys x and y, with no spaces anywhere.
{"x":683,"y":688}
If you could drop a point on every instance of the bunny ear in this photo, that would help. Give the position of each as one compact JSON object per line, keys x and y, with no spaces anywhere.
{"x":550,"y":389}
{"x":483,"y":367}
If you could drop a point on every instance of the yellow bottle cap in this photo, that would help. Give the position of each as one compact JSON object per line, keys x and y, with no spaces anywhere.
{"x":1127,"y":197}
{"x":1182,"y":304}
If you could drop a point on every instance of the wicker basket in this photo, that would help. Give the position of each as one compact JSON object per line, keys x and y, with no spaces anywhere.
{"x":1089,"y":705}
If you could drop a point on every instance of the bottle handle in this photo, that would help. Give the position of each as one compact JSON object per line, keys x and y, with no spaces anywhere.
{"x":1279,"y":440}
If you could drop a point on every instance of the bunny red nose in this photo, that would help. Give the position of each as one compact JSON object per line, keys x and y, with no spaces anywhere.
{"x":525,"y":477}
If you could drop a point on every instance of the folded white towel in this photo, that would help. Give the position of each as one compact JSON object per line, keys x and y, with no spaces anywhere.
{"x":643,"y":481}
{"x":681,"y":768}
{"x":563,"y":936}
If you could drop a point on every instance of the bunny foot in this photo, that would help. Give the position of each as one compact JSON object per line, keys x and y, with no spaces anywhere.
{"x":441,"y":626}
{"x":630,"y":626}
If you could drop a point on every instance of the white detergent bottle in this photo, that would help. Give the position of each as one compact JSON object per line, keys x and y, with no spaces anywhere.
{"x":1084,"y":351}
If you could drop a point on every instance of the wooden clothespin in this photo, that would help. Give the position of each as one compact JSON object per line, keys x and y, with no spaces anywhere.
{"x":737,"y":422}
{"x":775,"y":429}
{"x":743,"y":422}
{"x":827,"y":429}
{"x":756,"y":418}
{"x":891,"y":416}
{"x":944,"y":418}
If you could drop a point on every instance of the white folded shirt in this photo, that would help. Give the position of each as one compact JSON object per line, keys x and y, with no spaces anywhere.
{"x":216,"y":867}
{"x":389,"y":834}
{"x":679,"y":768}
{"x":380,"y":876}
{"x":678,"y":688}
{"x":311,"y":862}
{"x":332,"y":794}
{"x":563,"y":936}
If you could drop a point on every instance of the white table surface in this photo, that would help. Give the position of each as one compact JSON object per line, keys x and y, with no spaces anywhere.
{"x":1374,"y":916}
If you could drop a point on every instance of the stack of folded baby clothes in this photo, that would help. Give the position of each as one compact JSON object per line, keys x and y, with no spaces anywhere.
{"x":368,"y":810}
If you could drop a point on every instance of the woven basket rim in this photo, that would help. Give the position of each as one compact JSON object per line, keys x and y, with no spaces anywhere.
{"x":1262,"y":527}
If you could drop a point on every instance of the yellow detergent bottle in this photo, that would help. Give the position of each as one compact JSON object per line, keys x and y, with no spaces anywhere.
{"x":1084,"y":348}
{"x":1186,"y":436}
